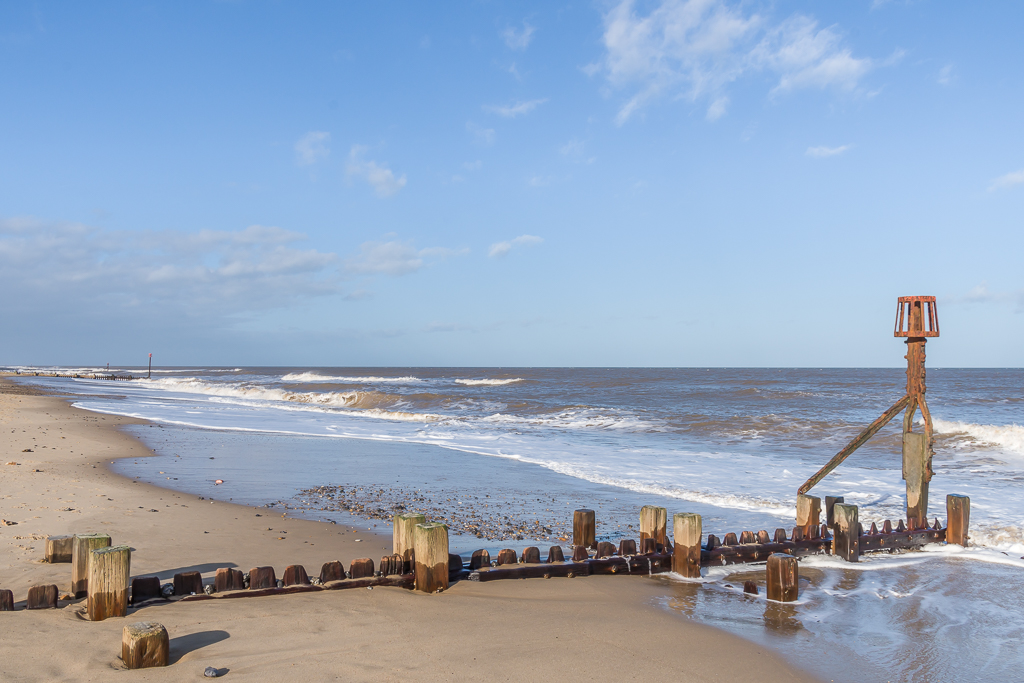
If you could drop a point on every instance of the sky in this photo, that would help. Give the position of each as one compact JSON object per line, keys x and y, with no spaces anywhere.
{"x":622,"y":183}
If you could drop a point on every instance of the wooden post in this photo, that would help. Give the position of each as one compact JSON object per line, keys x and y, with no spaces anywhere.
{"x":480,"y":558}
{"x":361,"y":568}
{"x":580,"y":554}
{"x":830,"y":502}
{"x":846,"y":533}
{"x":295,"y":575}
{"x":81,"y":547}
{"x":430,"y":546}
{"x":783,"y":577}
{"x":649,"y":545}
{"x":627,"y":546}
{"x":334,"y":571}
{"x":555,"y":554}
{"x":59,"y":549}
{"x":583,"y":528}
{"x":262,"y":577}
{"x":604,"y":549}
{"x":6,"y":600}
{"x":915,"y":472}
{"x":653,"y":523}
{"x":188,"y":583}
{"x":109,"y":570}
{"x":531,"y":555}
{"x":42,"y":597}
{"x":808,"y":510}
{"x":750,"y":587}
{"x":145,"y":588}
{"x":687,"y":529}
{"x":144,"y":645}
{"x":228,"y":579}
{"x":404,"y":526}
{"x":958,"y":518}
{"x":507,"y":556}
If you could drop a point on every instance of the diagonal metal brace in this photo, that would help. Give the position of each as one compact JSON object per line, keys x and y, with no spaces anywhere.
{"x":842,"y":455}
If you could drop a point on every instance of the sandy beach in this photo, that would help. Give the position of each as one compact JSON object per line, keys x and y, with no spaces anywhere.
{"x":527,"y":630}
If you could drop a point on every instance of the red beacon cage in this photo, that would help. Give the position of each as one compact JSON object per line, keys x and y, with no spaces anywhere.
{"x":916,"y":316}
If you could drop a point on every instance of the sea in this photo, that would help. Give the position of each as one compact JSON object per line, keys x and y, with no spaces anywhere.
{"x":504,"y":455}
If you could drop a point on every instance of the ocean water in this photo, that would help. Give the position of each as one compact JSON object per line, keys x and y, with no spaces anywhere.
{"x":732,"y":444}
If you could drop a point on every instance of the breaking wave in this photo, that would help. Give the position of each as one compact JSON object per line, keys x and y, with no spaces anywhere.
{"x":1008,"y":437}
{"x":487,"y":382}
{"x":313,"y":377}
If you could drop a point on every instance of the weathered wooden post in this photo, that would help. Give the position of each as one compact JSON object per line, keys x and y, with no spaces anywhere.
{"x":653,"y":524}
{"x":958,"y":518}
{"x":262,"y":577}
{"x":430,"y":545}
{"x":584,"y":527}
{"x":404,"y":526}
{"x":916,"y":474}
{"x":783,"y":578}
{"x":555,"y":554}
{"x":145,"y":645}
{"x":109,"y":571}
{"x":480,"y":558}
{"x":228,"y":579}
{"x":59,"y":549}
{"x":6,"y":600}
{"x":360,"y":568}
{"x":42,"y":597}
{"x":846,"y":533}
{"x":830,"y":502}
{"x":334,"y":571}
{"x":295,"y":575}
{"x":686,"y":527}
{"x":188,"y":583}
{"x":531,"y":555}
{"x":81,"y":548}
{"x":808,"y":511}
{"x":145,"y":588}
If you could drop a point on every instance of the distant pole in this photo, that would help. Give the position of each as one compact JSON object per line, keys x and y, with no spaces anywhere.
{"x":150,"y":375}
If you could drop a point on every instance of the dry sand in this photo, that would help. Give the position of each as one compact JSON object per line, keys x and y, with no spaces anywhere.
{"x":602,"y":628}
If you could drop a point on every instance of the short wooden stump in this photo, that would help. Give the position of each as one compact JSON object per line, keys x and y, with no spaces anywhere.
{"x":144,"y":645}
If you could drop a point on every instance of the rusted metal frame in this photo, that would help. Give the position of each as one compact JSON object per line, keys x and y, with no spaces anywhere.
{"x":856,"y":443}
{"x":402,"y":580}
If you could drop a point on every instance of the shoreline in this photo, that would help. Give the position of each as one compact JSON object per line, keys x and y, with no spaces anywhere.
{"x":65,"y":485}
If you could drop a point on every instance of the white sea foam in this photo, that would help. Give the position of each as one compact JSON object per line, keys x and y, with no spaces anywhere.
{"x":487,"y":382}
{"x":1008,"y":437}
{"x":313,"y":377}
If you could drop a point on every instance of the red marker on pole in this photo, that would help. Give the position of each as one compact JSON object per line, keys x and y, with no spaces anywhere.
{"x":150,"y":375}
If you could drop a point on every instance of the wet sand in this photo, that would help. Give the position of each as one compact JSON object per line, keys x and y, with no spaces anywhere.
{"x":528,"y":630}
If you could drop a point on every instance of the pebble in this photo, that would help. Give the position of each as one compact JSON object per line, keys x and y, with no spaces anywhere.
{"x":211,"y":672}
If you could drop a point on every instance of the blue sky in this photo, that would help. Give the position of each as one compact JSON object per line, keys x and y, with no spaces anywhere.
{"x":483,"y":183}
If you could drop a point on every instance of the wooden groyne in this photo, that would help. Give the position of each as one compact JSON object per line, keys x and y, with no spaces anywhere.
{"x":84,"y":375}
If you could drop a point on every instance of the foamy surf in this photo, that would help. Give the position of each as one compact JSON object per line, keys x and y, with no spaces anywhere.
{"x":487,"y":382}
{"x":313,"y":377}
{"x":1007,"y":437}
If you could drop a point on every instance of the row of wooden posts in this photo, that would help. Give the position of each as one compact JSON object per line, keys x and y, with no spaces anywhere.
{"x":100,"y":572}
{"x":117,"y":378}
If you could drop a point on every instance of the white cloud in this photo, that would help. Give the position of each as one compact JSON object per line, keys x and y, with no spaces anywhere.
{"x":1008,"y":180}
{"x":513,"y":110}
{"x":717,"y":108}
{"x":473,"y":165}
{"x":518,"y":40}
{"x":945,"y":75}
{"x":696,"y":48}
{"x":312,"y":147}
{"x":502,"y":248}
{"x":394,"y":258}
{"x":380,"y":177}
{"x":481,"y":136}
{"x":73,"y":266}
{"x":823,"y":152}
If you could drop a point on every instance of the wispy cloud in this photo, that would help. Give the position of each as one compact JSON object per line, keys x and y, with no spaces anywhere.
{"x":503,"y":248}
{"x":981,"y":294}
{"x":513,"y":110}
{"x":946,"y":75}
{"x":695,"y":48}
{"x":312,"y":147}
{"x":1008,"y":180}
{"x":823,"y":152}
{"x":481,"y":136}
{"x":379,"y":176}
{"x":70,"y":265}
{"x":518,"y":39}
{"x":394,"y":258}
